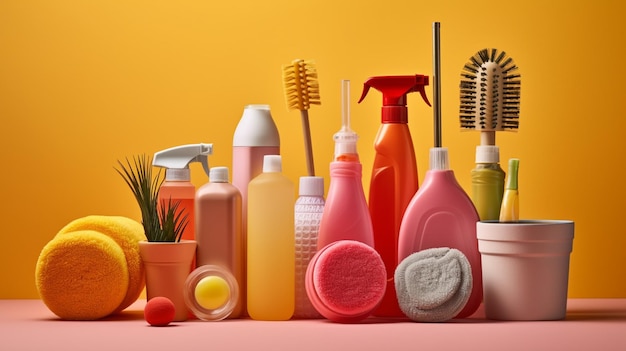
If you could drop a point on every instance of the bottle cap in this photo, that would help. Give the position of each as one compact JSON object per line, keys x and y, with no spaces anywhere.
{"x":395,"y":90}
{"x":311,"y":186}
{"x":256,"y":128}
{"x":177,"y":174}
{"x":439,"y":158}
{"x":487,"y":154}
{"x":218,"y":175}
{"x":272,"y":163}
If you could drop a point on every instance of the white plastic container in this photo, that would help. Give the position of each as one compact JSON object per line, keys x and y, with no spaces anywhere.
{"x":308,"y":214}
{"x":525,"y":268}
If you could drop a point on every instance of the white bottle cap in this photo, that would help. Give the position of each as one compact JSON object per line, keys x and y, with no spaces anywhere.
{"x":439,"y":158}
{"x":311,"y":186}
{"x":218,"y":175}
{"x":177,"y":174}
{"x":487,"y":154}
{"x":272,"y":163}
{"x":256,"y":128}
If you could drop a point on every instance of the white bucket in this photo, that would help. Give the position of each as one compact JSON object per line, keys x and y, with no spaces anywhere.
{"x":525,"y":268}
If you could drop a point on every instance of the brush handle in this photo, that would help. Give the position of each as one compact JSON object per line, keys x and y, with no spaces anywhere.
{"x":436,"y":84}
{"x":308,"y":148}
{"x":488,"y":137}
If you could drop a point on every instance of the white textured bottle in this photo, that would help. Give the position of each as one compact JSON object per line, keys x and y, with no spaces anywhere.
{"x":308,"y":213}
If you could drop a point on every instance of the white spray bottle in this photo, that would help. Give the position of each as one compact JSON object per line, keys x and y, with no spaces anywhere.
{"x":177,"y":186}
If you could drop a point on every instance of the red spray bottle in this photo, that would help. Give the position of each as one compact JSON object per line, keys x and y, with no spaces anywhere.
{"x":394,"y":176}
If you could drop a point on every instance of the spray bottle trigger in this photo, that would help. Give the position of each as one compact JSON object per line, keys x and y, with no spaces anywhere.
{"x":204,"y":160}
{"x":422,"y":92}
{"x":366,"y":89}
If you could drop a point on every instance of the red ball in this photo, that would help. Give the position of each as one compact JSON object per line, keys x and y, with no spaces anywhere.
{"x":159,"y":311}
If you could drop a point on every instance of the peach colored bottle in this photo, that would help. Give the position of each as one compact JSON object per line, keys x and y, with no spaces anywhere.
{"x":219,"y":228}
{"x":271,"y":244}
{"x":256,"y":135}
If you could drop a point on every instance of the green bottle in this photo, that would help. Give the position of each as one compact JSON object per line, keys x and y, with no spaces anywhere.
{"x":487,"y":182}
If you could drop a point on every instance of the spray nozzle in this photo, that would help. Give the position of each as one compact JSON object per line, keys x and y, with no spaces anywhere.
{"x":179,"y":158}
{"x":395,"y":89}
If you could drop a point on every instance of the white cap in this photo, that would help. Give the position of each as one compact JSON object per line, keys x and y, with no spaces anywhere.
{"x":177,"y":174}
{"x":218,"y":175}
{"x":256,"y":128}
{"x":345,"y":143}
{"x":439,"y":158}
{"x":311,"y":186}
{"x":272,"y":163}
{"x":487,"y":154}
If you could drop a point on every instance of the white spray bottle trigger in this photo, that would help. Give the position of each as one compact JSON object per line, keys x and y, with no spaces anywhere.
{"x":179,"y":157}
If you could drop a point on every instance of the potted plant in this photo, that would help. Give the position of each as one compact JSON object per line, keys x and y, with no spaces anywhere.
{"x":166,"y":257}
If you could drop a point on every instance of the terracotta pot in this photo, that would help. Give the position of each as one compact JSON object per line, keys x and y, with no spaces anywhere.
{"x":167,"y":267}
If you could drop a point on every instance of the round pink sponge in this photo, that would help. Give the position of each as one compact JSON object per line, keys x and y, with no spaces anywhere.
{"x":159,"y":311}
{"x":346,"y":281}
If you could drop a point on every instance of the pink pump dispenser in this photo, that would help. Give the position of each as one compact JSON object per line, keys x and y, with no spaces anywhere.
{"x":346,"y":215}
{"x":394,"y":175}
{"x":441,"y":214}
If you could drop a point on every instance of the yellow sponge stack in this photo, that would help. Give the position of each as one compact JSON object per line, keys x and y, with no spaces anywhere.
{"x":92,"y":268}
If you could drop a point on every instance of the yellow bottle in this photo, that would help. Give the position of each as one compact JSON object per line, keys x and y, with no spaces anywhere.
{"x":510,"y":203}
{"x":271,"y":243}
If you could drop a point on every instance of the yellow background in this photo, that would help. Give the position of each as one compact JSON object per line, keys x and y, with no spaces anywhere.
{"x":86,"y":83}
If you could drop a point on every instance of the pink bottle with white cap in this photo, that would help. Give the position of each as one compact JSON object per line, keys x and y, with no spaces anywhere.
{"x":441,"y":214}
{"x":256,"y":135}
{"x":346,"y":215}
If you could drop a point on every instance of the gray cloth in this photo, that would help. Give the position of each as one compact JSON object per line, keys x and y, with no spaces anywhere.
{"x":433,"y":285}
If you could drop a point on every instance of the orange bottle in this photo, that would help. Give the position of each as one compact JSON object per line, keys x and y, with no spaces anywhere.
{"x":394,"y":178}
{"x":177,"y":186}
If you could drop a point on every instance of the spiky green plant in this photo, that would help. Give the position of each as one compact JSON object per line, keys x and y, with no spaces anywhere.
{"x":160,"y":224}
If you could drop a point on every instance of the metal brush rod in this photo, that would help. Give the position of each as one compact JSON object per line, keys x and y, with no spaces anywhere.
{"x":436,"y":84}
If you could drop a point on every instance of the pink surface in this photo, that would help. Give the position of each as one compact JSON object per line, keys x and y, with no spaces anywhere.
{"x":591,"y":324}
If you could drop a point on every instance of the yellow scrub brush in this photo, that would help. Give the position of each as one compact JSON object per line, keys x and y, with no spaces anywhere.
{"x":302,"y":91}
{"x":490,"y":94}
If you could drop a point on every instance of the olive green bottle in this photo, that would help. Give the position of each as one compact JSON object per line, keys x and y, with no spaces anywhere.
{"x":487,"y":182}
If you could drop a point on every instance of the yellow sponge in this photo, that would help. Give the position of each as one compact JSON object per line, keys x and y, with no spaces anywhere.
{"x":82,"y":275}
{"x":126,"y":233}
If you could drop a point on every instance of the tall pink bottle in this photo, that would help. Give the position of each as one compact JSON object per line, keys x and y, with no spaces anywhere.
{"x":346,"y":215}
{"x":256,"y":135}
{"x":441,"y":214}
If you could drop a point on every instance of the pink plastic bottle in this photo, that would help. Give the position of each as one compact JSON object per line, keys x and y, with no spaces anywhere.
{"x":441,"y":214}
{"x":256,"y":135}
{"x":394,"y":175}
{"x":346,"y":215}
